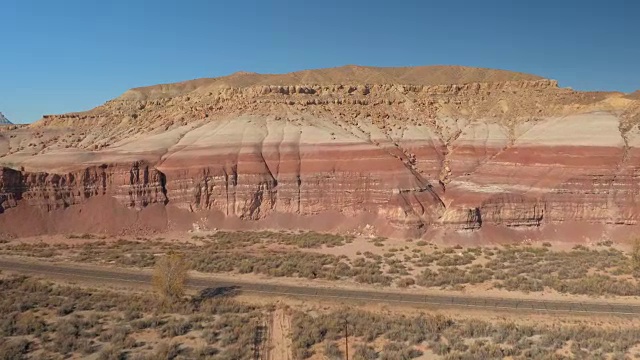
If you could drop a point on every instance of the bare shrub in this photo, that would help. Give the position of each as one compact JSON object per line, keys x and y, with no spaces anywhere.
{"x":170,"y":276}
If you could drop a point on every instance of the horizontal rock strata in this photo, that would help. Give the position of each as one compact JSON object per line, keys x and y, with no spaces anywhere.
{"x":518,"y":153}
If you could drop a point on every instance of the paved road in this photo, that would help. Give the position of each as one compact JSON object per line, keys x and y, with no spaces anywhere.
{"x":217,"y":286}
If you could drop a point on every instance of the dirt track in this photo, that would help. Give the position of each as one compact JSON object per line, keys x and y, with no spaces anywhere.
{"x":279,"y":336}
{"x":122,"y":276}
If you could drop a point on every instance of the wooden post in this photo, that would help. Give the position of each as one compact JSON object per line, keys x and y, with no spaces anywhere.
{"x":346,"y":338}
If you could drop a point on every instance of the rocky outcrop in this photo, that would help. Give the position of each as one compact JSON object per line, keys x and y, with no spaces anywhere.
{"x":11,"y":185}
{"x":4,"y":120}
{"x":514,"y":153}
{"x":136,"y":185}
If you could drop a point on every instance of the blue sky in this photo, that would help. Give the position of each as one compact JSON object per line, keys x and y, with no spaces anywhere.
{"x":72,"y":55}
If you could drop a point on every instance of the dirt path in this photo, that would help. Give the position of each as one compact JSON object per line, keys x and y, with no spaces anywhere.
{"x":280,"y":345}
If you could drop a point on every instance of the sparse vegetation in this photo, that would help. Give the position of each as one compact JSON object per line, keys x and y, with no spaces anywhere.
{"x":597,"y":270}
{"x":399,"y":337}
{"x":113,"y":325}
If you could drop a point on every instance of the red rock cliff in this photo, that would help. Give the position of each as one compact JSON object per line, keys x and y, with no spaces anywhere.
{"x":497,"y":150}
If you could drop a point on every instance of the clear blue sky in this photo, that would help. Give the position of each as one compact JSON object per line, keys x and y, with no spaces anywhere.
{"x":71,"y":55}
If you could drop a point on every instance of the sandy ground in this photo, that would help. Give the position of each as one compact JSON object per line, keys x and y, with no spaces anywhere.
{"x":280,"y":343}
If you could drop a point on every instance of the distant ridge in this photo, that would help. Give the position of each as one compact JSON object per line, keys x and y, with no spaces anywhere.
{"x":4,"y":120}
{"x":634,"y":95}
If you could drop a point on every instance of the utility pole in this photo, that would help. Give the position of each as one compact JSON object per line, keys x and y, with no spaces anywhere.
{"x":346,"y":338}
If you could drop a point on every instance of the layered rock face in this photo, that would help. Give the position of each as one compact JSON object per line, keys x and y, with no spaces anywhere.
{"x":135,"y":186}
{"x":420,"y":150}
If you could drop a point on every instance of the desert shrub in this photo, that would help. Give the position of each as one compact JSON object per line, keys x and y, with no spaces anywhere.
{"x":405,"y":282}
{"x":368,"y":272}
{"x":68,"y":332}
{"x":595,"y":285}
{"x":425,"y":260}
{"x":66,"y":308}
{"x":111,"y":352}
{"x":292,"y":264}
{"x":456,"y":260}
{"x":170,"y":276}
{"x":205,"y":352}
{"x":118,"y":336}
{"x":29,"y":324}
{"x":522,"y":283}
{"x":452,"y":276}
{"x":15,"y":349}
{"x":175,"y":328}
{"x":167,"y":351}
{"x":394,"y":350}
{"x":332,"y":351}
{"x":364,"y":352}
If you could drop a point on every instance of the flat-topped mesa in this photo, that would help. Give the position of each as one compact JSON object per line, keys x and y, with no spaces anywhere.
{"x":363,"y":88}
{"x":350,"y":74}
{"x":205,"y":102}
{"x":440,"y":151}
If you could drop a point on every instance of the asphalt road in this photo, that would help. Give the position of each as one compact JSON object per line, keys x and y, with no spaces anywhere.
{"x":214,"y":286}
